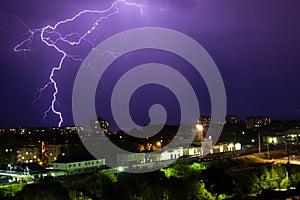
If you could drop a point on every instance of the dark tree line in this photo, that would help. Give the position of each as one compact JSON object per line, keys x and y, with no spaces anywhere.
{"x":191,"y":182}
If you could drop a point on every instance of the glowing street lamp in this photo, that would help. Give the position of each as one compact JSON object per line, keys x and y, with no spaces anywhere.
{"x":158,"y":144}
{"x":199,"y":127}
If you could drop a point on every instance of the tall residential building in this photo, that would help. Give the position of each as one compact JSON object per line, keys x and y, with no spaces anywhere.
{"x":28,"y":154}
{"x":257,"y":122}
{"x":54,"y":151}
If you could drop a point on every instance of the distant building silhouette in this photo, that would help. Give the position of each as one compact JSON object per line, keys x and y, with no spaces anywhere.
{"x":231,"y":119}
{"x":257,"y":122}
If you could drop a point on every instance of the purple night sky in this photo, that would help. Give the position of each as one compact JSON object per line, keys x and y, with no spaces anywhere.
{"x":255,"y":44}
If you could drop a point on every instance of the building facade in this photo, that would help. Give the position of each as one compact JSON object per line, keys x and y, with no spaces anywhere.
{"x":28,"y":154}
{"x":71,"y":167}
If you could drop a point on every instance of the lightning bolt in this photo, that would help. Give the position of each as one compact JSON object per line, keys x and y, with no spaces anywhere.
{"x":51,"y":37}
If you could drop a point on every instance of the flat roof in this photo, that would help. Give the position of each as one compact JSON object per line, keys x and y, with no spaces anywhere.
{"x":75,"y":158}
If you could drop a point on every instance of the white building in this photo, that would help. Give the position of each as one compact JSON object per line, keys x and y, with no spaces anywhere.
{"x":131,"y":158}
{"x":78,"y":165}
{"x":193,"y":151}
{"x":171,"y":154}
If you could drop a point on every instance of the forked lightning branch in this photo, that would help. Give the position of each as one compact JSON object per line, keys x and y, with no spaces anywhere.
{"x":72,"y":38}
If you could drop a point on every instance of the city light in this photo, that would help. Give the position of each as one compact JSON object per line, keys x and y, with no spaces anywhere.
{"x":238,"y":146}
{"x":120,"y":169}
{"x":199,"y":127}
{"x":272,"y":140}
{"x":230,"y":147}
{"x":158,"y":144}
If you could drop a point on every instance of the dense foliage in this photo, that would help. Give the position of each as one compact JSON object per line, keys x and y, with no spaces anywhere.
{"x":196,"y":181}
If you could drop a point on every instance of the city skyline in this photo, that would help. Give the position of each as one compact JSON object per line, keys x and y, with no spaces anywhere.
{"x":255,"y":45}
